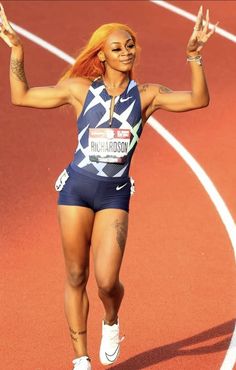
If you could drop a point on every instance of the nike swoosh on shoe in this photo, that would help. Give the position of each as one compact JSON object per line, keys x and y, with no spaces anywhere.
{"x":114,"y":355}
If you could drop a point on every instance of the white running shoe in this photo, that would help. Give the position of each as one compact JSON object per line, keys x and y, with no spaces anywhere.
{"x":82,"y":363}
{"x":110,"y":343}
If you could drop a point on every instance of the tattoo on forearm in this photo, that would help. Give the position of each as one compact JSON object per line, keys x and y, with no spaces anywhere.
{"x":121,"y":233}
{"x":17,"y":68}
{"x":75,"y":334}
{"x":164,"y":90}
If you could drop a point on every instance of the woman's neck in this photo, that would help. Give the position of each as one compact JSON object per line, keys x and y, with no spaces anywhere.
{"x":115,"y":80}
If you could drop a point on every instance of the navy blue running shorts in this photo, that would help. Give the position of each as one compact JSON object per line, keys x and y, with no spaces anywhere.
{"x":78,"y":189}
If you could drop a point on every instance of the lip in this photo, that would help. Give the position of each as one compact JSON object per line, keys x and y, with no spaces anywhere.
{"x":127,"y":61}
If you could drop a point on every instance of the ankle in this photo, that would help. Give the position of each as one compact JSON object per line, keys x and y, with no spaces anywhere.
{"x":81,"y":354}
{"x":80,"y":357}
{"x":111,"y":322}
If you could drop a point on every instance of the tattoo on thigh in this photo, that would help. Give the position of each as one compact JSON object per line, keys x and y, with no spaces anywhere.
{"x":75,"y":334}
{"x":121,"y":233}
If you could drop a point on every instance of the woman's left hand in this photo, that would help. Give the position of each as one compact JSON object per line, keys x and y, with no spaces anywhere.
{"x":201,"y":33}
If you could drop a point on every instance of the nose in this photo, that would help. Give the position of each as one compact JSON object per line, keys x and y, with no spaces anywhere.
{"x":125,"y":51}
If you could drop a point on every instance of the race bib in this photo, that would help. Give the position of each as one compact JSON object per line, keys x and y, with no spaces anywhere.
{"x":108,"y":145}
{"x":63,"y":177}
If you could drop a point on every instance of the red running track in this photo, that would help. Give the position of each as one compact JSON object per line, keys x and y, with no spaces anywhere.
{"x":179,"y":268}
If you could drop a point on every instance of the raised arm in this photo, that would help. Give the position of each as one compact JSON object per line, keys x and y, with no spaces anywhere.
{"x":158,"y":96}
{"x":21,"y":93}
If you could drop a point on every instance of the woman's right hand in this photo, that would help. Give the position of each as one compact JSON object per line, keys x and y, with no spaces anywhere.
{"x":6,"y":31}
{"x":21,"y":93}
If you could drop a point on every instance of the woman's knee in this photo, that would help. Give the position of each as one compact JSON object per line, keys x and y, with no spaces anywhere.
{"x":109,"y":287}
{"x":77,"y":277}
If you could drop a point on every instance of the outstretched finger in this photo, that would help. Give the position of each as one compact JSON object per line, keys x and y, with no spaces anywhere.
{"x":0,"y":14}
{"x":212,"y":31}
{"x":198,"y":24}
{"x":4,"y":18}
{"x":4,"y":34}
{"x":206,"y":25}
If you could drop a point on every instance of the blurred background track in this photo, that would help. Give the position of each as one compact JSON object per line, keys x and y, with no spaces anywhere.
{"x":179,"y":268}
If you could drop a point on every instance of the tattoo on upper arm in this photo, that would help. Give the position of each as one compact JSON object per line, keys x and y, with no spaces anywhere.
{"x":164,"y":90}
{"x":121,"y":233}
{"x":144,"y":88}
{"x":17,"y":68}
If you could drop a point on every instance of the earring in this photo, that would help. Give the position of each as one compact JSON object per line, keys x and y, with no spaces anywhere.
{"x":101,"y":57}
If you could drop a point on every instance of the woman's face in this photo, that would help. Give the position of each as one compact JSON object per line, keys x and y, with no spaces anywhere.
{"x":119,"y":51}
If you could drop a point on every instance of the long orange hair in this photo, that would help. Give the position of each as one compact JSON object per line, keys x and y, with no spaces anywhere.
{"x":87,"y":63}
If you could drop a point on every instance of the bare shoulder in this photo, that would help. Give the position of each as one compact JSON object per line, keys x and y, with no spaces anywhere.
{"x":149,"y":93}
{"x":77,"y":87}
{"x":75,"y":81}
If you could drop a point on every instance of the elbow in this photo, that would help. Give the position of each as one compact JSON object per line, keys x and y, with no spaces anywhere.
{"x":19,"y":97}
{"x":206,"y":102}
{"x":202,"y":103}
{"x":16,"y":101}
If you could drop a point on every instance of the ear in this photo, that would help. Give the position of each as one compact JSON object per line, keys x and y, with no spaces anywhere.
{"x":101,"y":56}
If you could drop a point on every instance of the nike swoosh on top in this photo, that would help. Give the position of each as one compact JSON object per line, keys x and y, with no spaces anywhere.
{"x":121,"y":186}
{"x":114,"y":355}
{"x":122,"y":100}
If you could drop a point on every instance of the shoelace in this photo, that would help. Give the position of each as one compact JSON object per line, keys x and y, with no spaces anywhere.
{"x":80,"y":361}
{"x":121,"y":339}
{"x":112,"y":337}
{"x":111,"y":334}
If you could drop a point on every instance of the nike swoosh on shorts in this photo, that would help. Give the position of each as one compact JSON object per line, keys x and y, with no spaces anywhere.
{"x":119,"y":187}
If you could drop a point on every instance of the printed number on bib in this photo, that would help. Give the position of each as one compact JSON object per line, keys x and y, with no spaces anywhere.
{"x":61,"y":180}
{"x":108,"y":145}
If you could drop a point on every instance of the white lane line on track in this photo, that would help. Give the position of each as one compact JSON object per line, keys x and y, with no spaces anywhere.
{"x":230,"y":357}
{"x":192,"y":17}
{"x":222,"y":209}
{"x":44,"y":44}
{"x":204,"y":179}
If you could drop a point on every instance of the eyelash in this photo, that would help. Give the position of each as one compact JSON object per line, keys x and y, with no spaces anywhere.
{"x":129,"y":46}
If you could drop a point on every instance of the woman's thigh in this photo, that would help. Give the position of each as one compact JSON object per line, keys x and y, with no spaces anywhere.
{"x":76,"y":224}
{"x":108,"y":242}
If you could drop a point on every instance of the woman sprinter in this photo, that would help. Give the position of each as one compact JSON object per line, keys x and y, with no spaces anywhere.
{"x":94,"y":190}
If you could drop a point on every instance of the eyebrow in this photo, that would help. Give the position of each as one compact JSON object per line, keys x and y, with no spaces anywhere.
{"x":117,"y":42}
